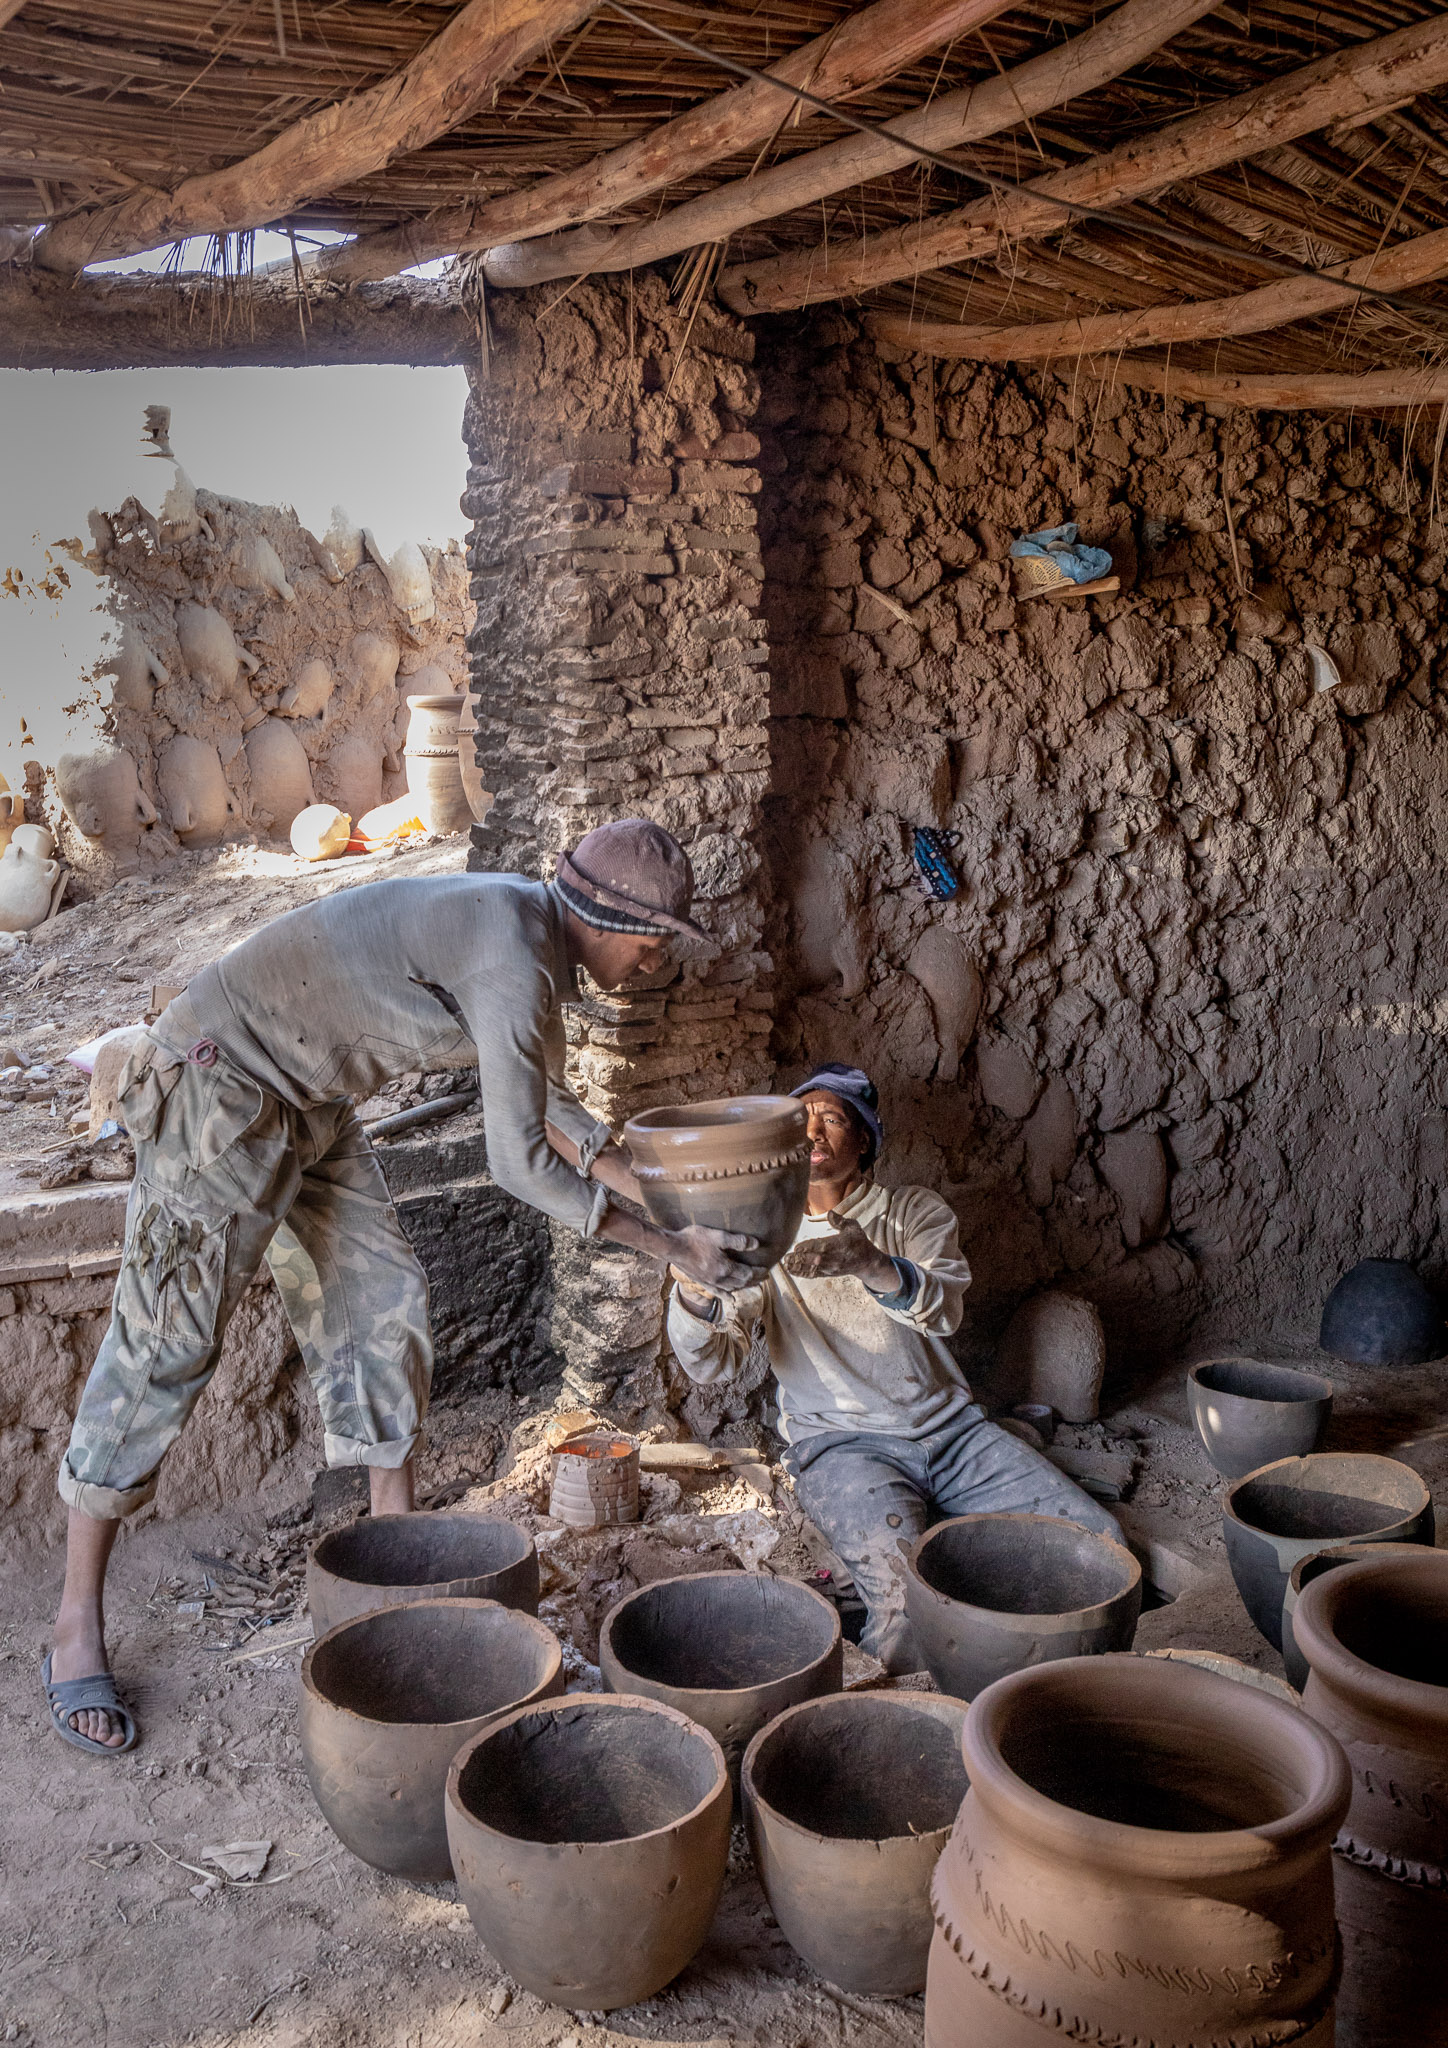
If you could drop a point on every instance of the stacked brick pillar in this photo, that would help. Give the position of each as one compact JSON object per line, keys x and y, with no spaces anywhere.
{"x":619,"y":669}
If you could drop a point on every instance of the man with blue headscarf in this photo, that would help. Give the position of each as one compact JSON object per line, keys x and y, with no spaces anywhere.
{"x":882,"y":1436}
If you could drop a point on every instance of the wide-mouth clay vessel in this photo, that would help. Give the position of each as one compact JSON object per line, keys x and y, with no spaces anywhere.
{"x":595,"y":1479}
{"x":991,"y":1594}
{"x":1144,"y":1855}
{"x":1302,"y":1574}
{"x":1375,"y":1635}
{"x":1250,"y":1412}
{"x":740,"y":1164}
{"x":729,"y":1649}
{"x":590,"y":1838}
{"x":393,"y":1560}
{"x":848,"y":1802}
{"x":388,"y":1700}
{"x":1286,"y":1510}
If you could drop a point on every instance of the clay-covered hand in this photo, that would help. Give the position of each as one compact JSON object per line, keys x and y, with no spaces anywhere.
{"x":699,"y":1300}
{"x":705,"y":1257}
{"x":848,"y":1252}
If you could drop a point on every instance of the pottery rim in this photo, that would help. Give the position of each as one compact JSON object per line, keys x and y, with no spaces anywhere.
{"x":720,"y":1692}
{"x":423,"y":1588}
{"x":1386,"y":1694}
{"x":537,"y":1693}
{"x":916,"y":1702}
{"x":1301,"y":1749}
{"x":669,"y":1139}
{"x":1300,"y":1385}
{"x":1098,"y":1609}
{"x":593,"y":1703}
{"x":1394,"y":1512}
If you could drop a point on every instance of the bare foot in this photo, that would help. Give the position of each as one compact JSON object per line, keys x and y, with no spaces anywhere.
{"x":79,"y":1653}
{"x":391,"y":1489}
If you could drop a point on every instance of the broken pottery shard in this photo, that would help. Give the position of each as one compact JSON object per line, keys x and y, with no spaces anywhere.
{"x":950,"y":978}
{"x":1008,"y":1079}
{"x":1133,"y":1166}
{"x":240,"y":1861}
{"x":1054,"y":1351}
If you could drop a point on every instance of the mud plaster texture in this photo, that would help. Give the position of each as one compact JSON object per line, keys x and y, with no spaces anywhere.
{"x":1176,"y":1045}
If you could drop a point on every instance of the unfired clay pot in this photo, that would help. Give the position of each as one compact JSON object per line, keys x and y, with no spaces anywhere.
{"x":38,"y":840}
{"x":590,"y":1838}
{"x":595,"y":1480}
{"x":281,"y":775}
{"x":320,"y":832}
{"x":480,"y":800}
{"x":1144,"y":1856}
{"x":12,"y":812}
{"x":740,"y":1164}
{"x":372,"y":659}
{"x":849,"y":1802}
{"x":1376,"y":1637}
{"x":27,"y":884}
{"x":1302,"y":1574}
{"x":306,"y":695}
{"x":352,"y":774}
{"x":729,"y":1649}
{"x":1249,"y":1412}
{"x":393,"y":1560}
{"x":101,"y":794}
{"x":193,"y":787}
{"x":434,"y":772}
{"x":390,"y":1698}
{"x":990,"y":1594}
{"x":213,"y":656}
{"x":1294,"y":1506}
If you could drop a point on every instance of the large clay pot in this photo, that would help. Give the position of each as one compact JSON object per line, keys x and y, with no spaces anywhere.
{"x":1382,"y":1313}
{"x":27,"y":883}
{"x":1144,"y":1856}
{"x":306,"y":695}
{"x":1302,"y":1574}
{"x":1286,"y":1510}
{"x":729,"y":1649}
{"x":741,"y":1165}
{"x":213,"y":656}
{"x":193,"y":788}
{"x":101,"y":794}
{"x":990,"y":1594}
{"x":1249,"y":1413}
{"x":1376,"y":1637}
{"x":434,"y":773}
{"x":480,"y":800}
{"x":393,"y":1560}
{"x":351,"y":774}
{"x":590,"y":1838}
{"x":849,"y":1802}
{"x":389,"y":1699}
{"x":281,"y":775}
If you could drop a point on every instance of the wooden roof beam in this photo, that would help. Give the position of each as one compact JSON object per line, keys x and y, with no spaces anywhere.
{"x":1088,"y":61}
{"x":861,"y":50}
{"x":1309,"y":391}
{"x":1364,"y":76}
{"x":1272,"y":305}
{"x":485,"y":42}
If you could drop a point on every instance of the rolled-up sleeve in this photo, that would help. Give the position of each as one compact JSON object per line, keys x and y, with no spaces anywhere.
{"x":921,"y":1229}
{"x":710,"y":1351}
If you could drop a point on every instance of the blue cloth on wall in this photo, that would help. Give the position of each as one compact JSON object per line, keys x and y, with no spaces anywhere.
{"x":1059,"y":544}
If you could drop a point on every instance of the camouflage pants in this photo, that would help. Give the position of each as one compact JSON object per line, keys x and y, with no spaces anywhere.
{"x":226,"y":1175}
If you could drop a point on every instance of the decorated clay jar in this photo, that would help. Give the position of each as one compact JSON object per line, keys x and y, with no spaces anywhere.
{"x":320,"y":832}
{"x":1144,"y":1855}
{"x":480,"y":800}
{"x":27,"y":883}
{"x":739,"y":1165}
{"x":434,"y":773}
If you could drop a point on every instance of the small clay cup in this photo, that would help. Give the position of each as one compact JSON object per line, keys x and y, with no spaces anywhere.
{"x":590,"y":1838}
{"x":729,"y":1649}
{"x":848,"y":1802}
{"x":1286,"y":1510}
{"x":390,"y":1697}
{"x":393,"y":1560}
{"x":991,"y":1594}
{"x":1249,"y":1412}
{"x":1302,"y":1574}
{"x":741,"y":1164}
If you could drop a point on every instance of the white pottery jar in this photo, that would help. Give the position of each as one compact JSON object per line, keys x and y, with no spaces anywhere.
{"x":26,"y":886}
{"x":434,"y":771}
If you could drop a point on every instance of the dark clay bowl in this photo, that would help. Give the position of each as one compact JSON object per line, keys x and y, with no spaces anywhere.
{"x":393,"y":1560}
{"x":1249,"y":1412}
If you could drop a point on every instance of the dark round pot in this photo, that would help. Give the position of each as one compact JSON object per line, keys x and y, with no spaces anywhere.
{"x":729,"y":1649}
{"x":1288,"y":1509}
{"x":849,"y":1802}
{"x":1302,"y":1574}
{"x":392,"y":1560}
{"x":590,"y":1838}
{"x":1375,"y":1634}
{"x":740,"y":1164}
{"x":1249,"y":1413}
{"x":1381,"y":1313}
{"x":390,"y":1697}
{"x":991,"y":1594}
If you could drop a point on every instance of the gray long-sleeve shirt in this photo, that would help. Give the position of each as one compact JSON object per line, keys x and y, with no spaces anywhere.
{"x":344,"y":994}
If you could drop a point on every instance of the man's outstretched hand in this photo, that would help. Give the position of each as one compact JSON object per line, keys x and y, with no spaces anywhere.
{"x":848,"y":1253}
{"x":705,"y":1257}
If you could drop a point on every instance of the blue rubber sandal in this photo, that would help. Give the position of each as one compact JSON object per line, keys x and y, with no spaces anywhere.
{"x":69,"y":1696}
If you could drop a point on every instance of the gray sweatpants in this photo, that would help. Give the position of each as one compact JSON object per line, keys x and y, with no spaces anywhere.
{"x":872,"y":1495}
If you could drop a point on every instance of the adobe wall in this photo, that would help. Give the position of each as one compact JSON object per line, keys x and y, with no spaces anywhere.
{"x":1177,"y":1044}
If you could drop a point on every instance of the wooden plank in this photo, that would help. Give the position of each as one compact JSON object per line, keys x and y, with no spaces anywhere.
{"x":1308,"y":391}
{"x":1352,"y":81}
{"x":1088,"y":61}
{"x":486,"y":42}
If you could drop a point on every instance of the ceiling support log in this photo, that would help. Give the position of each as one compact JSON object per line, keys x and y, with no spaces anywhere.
{"x":1311,"y":391}
{"x":866,"y":47}
{"x":486,"y":42}
{"x":1272,"y":305}
{"x":1349,"y":83}
{"x":1088,"y":61}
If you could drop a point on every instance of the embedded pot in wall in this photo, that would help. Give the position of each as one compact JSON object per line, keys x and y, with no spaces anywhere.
{"x":1375,"y":1635}
{"x":101,"y":794}
{"x":739,"y":1165}
{"x":351,"y":775}
{"x":1249,"y":1412}
{"x":306,"y":695}
{"x":281,"y":775}
{"x":991,"y":1594}
{"x":590,"y":1838}
{"x":12,"y":812}
{"x":27,"y":884}
{"x":388,"y":1700}
{"x":372,"y":659}
{"x":479,"y":800}
{"x":193,"y":788}
{"x":136,"y":670}
{"x":434,"y":771}
{"x":848,"y":1802}
{"x":1144,"y":1855}
{"x":1053,"y":1351}
{"x":729,"y":1649}
{"x":256,"y":565}
{"x":943,"y":967}
{"x":212,"y":654}
{"x":1288,"y":1509}
{"x":391,"y":1560}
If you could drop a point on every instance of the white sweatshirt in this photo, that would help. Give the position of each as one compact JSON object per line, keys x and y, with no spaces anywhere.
{"x":843,"y":1360}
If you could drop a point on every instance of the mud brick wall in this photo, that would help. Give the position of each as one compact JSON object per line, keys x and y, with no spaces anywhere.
{"x":1177,"y":1045}
{"x":619,"y":668}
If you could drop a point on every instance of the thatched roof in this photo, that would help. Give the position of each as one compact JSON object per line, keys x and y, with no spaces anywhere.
{"x":102,"y":109}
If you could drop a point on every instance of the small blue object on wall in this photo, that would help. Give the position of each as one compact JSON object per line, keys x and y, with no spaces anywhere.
{"x":932,"y":858}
